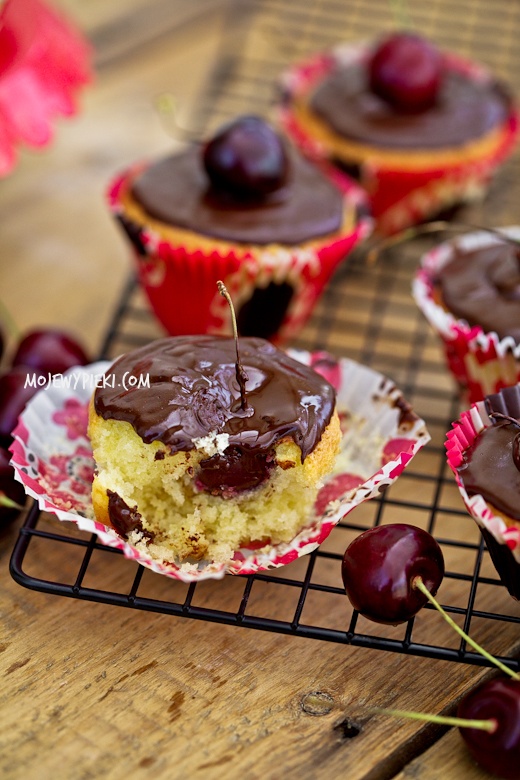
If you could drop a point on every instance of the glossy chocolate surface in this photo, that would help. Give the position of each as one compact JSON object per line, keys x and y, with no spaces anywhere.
{"x":489,"y":468}
{"x":194,"y":392}
{"x":465,"y":110}
{"x":483,"y":287}
{"x":176,"y":190}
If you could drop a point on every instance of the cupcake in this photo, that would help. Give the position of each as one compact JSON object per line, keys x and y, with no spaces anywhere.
{"x":246,"y":208}
{"x":483,"y":451}
{"x":53,"y":459}
{"x":469,"y":291}
{"x":422,"y":131}
{"x":199,"y":454}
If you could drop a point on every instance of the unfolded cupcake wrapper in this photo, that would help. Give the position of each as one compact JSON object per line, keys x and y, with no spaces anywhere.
{"x":181,"y":282}
{"x":46,"y":63}
{"x":398,"y":198}
{"x":52,"y":457}
{"x":502,"y":539}
{"x":481,"y":363}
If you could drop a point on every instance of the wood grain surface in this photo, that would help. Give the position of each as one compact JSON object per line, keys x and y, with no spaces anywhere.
{"x":94,"y":691}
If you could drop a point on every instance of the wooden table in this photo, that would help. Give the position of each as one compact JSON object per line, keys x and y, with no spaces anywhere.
{"x":93,"y":690}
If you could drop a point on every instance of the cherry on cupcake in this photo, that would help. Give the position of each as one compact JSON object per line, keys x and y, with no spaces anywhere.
{"x":405,"y":70}
{"x":246,"y":158}
{"x":50,"y":350}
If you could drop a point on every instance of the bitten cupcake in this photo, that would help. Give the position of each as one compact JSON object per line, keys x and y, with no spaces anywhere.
{"x":246,"y":208}
{"x":484,"y":454}
{"x":469,"y":291}
{"x":422,"y":130}
{"x":199,"y":453}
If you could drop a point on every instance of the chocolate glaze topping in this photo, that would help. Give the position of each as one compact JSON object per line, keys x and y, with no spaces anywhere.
{"x":483,"y":287}
{"x":194,"y":392}
{"x":176,"y":190}
{"x":465,"y":110}
{"x":489,"y":468}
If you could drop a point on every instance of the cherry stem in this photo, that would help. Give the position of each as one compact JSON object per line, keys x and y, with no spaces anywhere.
{"x":432,"y":227}
{"x":8,"y":502}
{"x":400,"y":14}
{"x":419,"y":584}
{"x":446,"y":720}
{"x":240,"y":373}
{"x":167,"y":108}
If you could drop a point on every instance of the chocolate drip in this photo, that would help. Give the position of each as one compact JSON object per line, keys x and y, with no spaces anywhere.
{"x":193,"y":392}
{"x":175,"y":190}
{"x":466,"y":109}
{"x":483,"y":287}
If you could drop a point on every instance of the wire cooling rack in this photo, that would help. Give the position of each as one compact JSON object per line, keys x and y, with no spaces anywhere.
{"x":366,"y":314}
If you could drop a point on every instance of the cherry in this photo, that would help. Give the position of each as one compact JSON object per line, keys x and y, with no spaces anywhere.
{"x":10,"y":489}
{"x":15,"y":392}
{"x":406,"y":71}
{"x":52,"y":351}
{"x":496,"y":751}
{"x":246,"y":158}
{"x":489,"y":722}
{"x":380,"y":568}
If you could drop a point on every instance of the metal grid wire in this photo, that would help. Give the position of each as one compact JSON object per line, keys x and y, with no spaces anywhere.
{"x":366,"y":314}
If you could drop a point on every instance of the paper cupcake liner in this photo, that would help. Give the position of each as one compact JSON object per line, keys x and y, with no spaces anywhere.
{"x":480,"y":362}
{"x":502,"y":540}
{"x":399,"y":197}
{"x":169,"y":274}
{"x":44,"y":63}
{"x":52,"y":458}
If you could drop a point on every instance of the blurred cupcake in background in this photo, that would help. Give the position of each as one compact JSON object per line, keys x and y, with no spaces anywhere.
{"x":245,"y":208}
{"x":483,"y":450}
{"x":422,"y":130}
{"x":44,"y":62}
{"x":469,"y":291}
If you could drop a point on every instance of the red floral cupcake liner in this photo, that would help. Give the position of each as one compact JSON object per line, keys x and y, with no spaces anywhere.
{"x":170,"y":274}
{"x":398,"y":198}
{"x":480,"y":362}
{"x":502,"y":539}
{"x":44,"y":62}
{"x":52,"y":458}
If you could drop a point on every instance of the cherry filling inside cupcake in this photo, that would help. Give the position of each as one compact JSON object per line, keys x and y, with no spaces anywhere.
{"x":234,"y":471}
{"x":125,"y":519}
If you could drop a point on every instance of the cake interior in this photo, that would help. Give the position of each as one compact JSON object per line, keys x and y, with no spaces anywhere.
{"x":176,"y":521}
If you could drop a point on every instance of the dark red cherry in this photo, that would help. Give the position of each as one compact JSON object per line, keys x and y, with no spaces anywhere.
{"x":10,"y":488}
{"x":49,"y":350}
{"x":379,"y":568}
{"x":17,"y":387}
{"x":497,"y":752}
{"x":246,"y":158}
{"x":406,"y":71}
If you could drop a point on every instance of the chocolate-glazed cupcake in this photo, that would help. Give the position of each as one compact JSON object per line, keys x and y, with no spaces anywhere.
{"x":484,"y":455}
{"x":469,"y":291}
{"x":192,"y":464}
{"x":413,"y":162}
{"x":274,"y":246}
